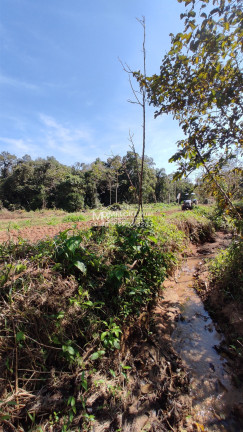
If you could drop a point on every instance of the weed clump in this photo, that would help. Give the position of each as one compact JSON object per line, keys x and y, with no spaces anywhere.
{"x":74,"y":217}
{"x":226,"y":271}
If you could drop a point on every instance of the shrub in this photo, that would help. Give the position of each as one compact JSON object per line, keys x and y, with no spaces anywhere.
{"x":226,"y":271}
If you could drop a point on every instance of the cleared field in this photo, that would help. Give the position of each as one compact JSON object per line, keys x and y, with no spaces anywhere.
{"x":37,"y":225}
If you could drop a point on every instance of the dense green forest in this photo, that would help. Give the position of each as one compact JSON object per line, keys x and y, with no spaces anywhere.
{"x":46,"y":183}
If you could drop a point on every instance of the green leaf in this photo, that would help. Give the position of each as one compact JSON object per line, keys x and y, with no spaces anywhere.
{"x":192,"y":25}
{"x":95,"y":355}
{"x":84,"y":384}
{"x":70,"y":350}
{"x":153,"y":239}
{"x":20,"y":336}
{"x":120,"y":272}
{"x":71,"y":401}
{"x":73,"y":243}
{"x":81,"y":266}
{"x":117,"y":344}
{"x":226,"y":26}
{"x":125,"y":367}
{"x":103,"y":335}
{"x":88,"y":303}
{"x":5,"y":417}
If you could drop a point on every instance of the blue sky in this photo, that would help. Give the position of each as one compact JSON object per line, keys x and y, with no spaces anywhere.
{"x":63,"y":92}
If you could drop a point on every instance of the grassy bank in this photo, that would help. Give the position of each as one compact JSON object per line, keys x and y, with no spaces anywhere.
{"x":67,"y":306}
{"x":224,"y":299}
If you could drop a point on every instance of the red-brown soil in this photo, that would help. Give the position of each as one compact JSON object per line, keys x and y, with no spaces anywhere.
{"x":36,"y":233}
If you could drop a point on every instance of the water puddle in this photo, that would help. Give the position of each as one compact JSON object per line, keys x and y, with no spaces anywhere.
{"x":194,"y":338}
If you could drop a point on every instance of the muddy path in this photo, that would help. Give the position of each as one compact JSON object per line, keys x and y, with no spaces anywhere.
{"x":195,"y":339}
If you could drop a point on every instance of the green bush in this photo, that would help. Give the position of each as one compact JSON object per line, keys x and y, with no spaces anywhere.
{"x":226,"y":271}
{"x":74,"y":217}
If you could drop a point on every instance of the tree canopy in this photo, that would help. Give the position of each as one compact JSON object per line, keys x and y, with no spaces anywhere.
{"x":46,"y":183}
{"x":200,"y":84}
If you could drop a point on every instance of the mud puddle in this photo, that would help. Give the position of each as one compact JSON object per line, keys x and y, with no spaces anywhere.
{"x":194,"y":338}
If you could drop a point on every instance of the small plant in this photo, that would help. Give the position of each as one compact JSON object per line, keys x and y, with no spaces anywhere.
{"x":124,"y":370}
{"x":97,"y":354}
{"x":111,"y":336}
{"x":73,"y":410}
{"x":68,"y":251}
{"x":73,"y":217}
{"x":88,"y":419}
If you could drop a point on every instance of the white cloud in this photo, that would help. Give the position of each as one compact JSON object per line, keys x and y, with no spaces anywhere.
{"x":5,"y":80}
{"x":65,"y":134}
{"x":19,"y":144}
{"x":75,"y":142}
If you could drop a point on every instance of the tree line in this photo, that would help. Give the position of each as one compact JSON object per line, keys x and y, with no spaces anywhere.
{"x":46,"y":183}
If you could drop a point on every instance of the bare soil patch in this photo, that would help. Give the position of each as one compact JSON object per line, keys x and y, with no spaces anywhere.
{"x":36,"y":233}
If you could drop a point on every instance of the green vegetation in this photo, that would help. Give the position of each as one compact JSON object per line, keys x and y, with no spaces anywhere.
{"x":66,"y":304}
{"x":46,"y":184}
{"x":226,"y":272}
{"x":21,"y":219}
{"x":224,"y":298}
{"x":74,"y":217}
{"x":200,"y":84}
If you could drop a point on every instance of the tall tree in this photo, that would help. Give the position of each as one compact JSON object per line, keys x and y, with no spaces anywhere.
{"x":161,"y":185}
{"x":130,"y":178}
{"x":114,"y":165}
{"x":7,"y":162}
{"x":200,"y":83}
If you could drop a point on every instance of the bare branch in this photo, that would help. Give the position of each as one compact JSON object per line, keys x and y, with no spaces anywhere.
{"x":125,"y":67}
{"x":134,"y":93}
{"x":142,"y":92}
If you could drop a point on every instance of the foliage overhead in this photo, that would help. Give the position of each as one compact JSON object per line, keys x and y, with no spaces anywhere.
{"x":200,"y":84}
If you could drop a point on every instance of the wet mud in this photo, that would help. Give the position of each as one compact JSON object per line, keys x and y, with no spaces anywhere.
{"x":195,"y":339}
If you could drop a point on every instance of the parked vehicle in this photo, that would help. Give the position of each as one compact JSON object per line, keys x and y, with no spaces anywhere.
{"x":187,"y":205}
